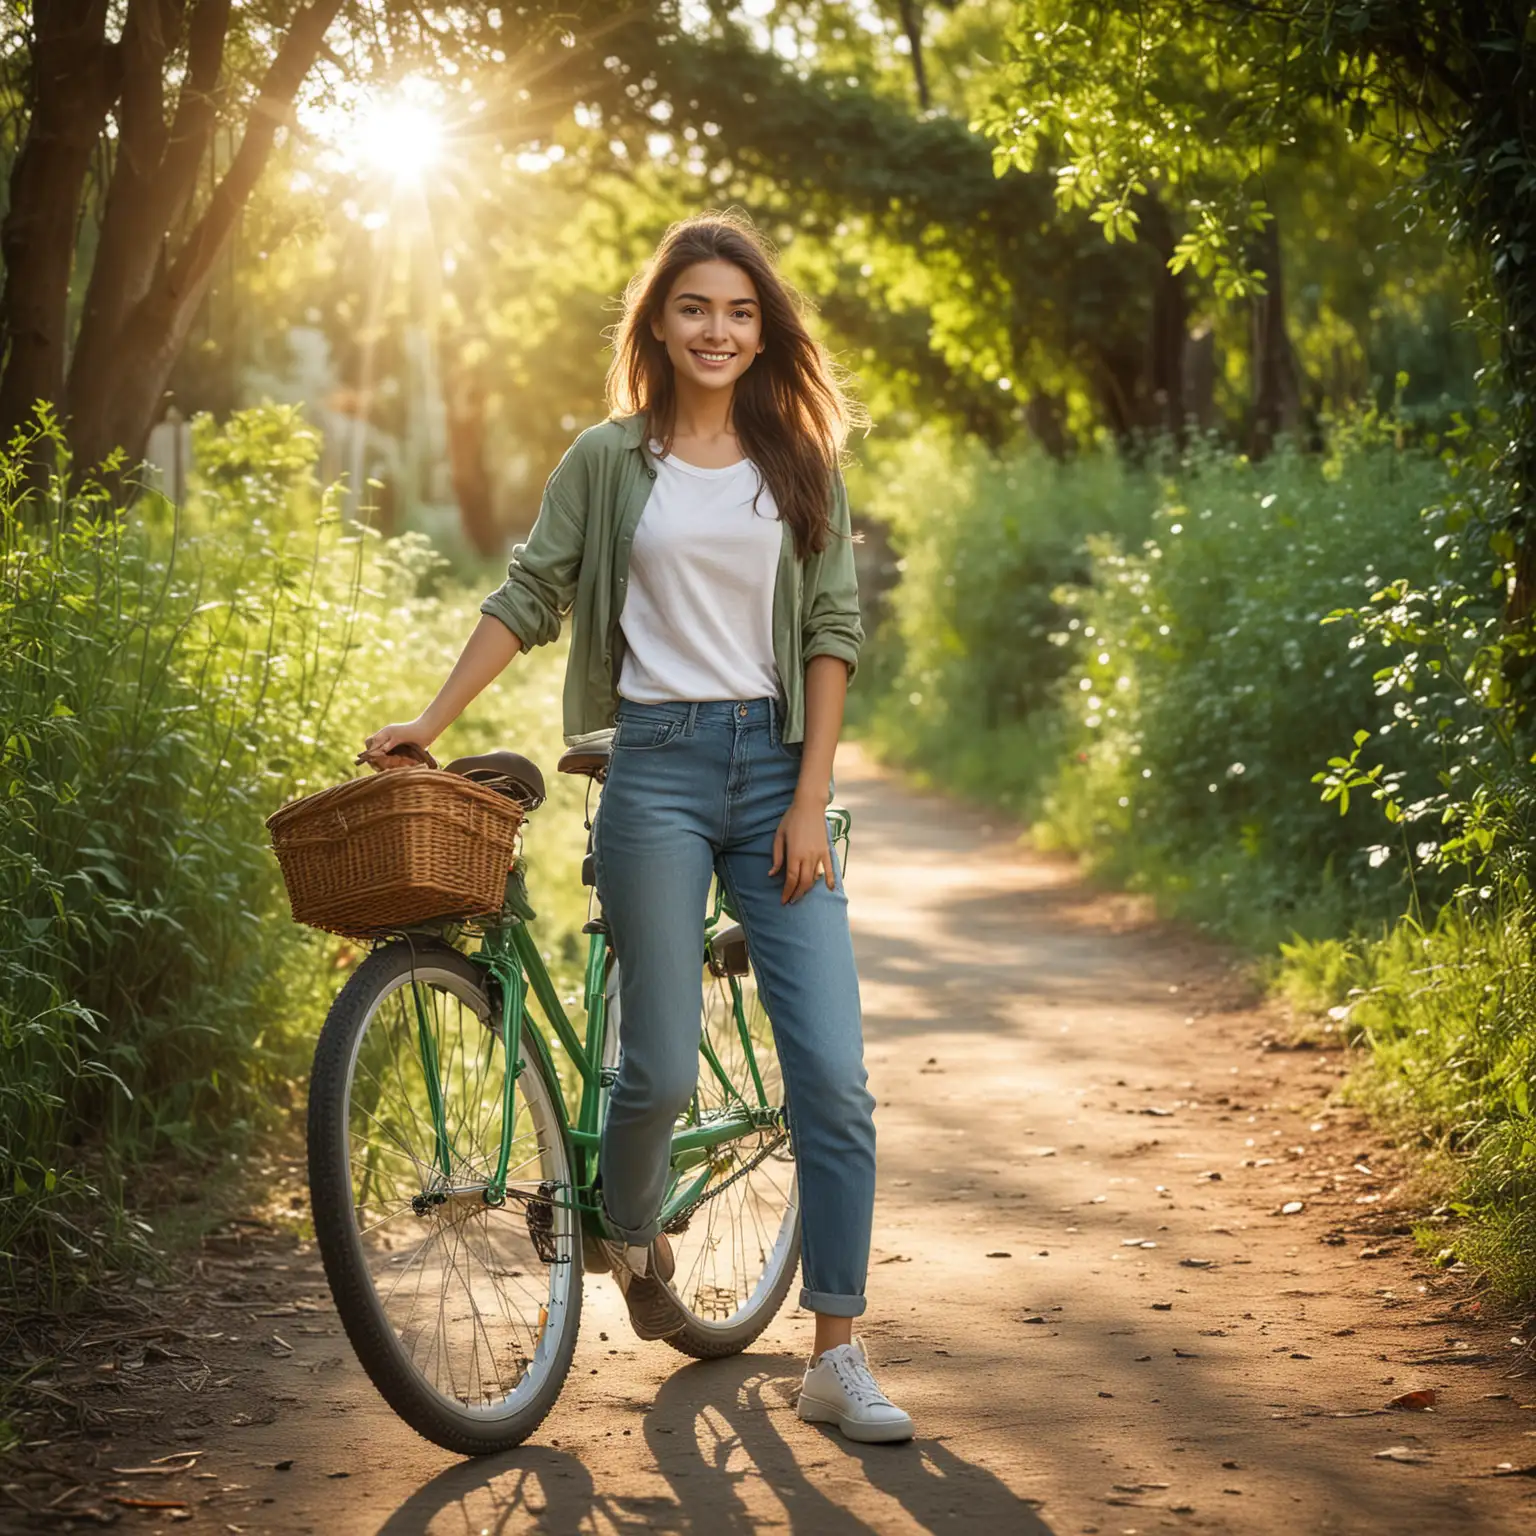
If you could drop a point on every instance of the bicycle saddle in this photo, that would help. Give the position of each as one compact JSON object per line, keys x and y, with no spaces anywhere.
{"x":509,"y":772}
{"x":588,"y":755}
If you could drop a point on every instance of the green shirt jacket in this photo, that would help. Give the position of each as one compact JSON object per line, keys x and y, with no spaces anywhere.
{"x":576,"y":560}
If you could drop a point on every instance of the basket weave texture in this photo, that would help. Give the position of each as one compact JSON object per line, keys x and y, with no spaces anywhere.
{"x":397,"y":848}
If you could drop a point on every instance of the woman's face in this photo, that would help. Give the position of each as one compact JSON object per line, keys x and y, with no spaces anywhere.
{"x":711,"y":324}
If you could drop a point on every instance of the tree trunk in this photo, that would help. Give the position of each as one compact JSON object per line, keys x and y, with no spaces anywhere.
{"x":74,"y":74}
{"x":155,"y":170}
{"x":1201,"y":366}
{"x":1276,"y":381}
{"x":1168,"y":333}
{"x":126,"y":352}
{"x":464,"y":400}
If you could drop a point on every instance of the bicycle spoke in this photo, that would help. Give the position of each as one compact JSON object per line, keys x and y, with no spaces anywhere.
{"x":461,"y":1283}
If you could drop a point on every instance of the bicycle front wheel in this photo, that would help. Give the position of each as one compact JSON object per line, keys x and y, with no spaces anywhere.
{"x":461,"y":1301}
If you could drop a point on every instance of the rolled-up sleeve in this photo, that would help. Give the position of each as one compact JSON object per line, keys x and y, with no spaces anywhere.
{"x":831,"y":625}
{"x":541,"y":578}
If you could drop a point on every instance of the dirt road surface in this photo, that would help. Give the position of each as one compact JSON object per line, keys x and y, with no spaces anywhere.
{"x":1085,"y":1288}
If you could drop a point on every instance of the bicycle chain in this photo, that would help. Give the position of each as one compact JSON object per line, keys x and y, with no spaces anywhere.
{"x":761,"y":1156}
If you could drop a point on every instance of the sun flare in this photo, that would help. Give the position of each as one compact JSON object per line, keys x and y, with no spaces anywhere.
{"x":400,"y":139}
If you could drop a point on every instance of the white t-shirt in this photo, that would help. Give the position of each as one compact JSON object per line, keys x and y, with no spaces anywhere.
{"x":698,"y":612}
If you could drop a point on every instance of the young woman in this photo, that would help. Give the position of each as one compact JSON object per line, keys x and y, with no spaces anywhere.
{"x":701,"y":537}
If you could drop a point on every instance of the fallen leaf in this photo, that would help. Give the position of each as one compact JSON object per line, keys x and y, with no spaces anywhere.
{"x":1414,"y":1402}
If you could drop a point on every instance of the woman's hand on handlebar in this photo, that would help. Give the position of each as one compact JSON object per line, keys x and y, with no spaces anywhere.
{"x":487,"y":652}
{"x":399,"y":746}
{"x":390,"y":738}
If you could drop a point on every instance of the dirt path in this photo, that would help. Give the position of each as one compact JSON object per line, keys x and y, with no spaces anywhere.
{"x":1083,"y":1289}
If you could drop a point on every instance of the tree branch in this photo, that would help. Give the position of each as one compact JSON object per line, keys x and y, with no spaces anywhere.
{"x":274,"y":103}
{"x":196,"y":110}
{"x":912,"y":25}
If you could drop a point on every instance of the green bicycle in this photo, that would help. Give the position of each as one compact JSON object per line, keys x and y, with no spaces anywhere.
{"x":453,"y":1188}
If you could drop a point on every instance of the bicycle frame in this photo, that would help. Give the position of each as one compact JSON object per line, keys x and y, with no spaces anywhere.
{"x":511,"y":955}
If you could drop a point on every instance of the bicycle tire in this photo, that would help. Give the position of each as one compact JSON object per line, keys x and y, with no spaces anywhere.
{"x":455,"y":1424}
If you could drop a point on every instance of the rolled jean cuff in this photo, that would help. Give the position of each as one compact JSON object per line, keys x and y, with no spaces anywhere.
{"x":833,"y":1304}
{"x":636,"y":1237}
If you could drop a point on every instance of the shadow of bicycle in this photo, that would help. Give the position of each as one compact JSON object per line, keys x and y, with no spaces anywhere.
{"x":721,"y":1467}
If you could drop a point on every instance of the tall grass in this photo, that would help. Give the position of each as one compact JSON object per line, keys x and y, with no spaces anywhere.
{"x":165,"y":682}
{"x":1448,"y":1013}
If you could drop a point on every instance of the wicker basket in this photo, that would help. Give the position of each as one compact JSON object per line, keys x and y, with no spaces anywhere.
{"x":397,"y":848}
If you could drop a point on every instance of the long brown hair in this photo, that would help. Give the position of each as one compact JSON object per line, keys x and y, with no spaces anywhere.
{"x":789,"y":410}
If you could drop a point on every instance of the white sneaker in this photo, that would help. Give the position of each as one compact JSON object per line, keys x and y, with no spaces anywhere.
{"x":840,"y":1389}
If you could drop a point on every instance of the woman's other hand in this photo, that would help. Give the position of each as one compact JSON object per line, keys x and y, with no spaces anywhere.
{"x":802,"y":851}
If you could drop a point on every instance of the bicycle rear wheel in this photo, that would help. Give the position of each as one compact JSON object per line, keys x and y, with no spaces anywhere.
{"x":737,"y":1244}
{"x":463,"y":1312}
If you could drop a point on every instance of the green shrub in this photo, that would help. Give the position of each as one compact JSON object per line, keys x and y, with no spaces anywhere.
{"x":960,"y":679}
{"x":165,"y":683}
{"x":1210,"y":691}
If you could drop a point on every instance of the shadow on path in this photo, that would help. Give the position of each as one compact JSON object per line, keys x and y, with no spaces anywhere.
{"x":712,"y":1435}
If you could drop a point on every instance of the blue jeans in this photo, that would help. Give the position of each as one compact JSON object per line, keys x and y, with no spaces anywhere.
{"x":696,"y":790}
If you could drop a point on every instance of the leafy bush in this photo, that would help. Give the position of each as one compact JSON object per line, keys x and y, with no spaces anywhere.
{"x":1210,"y":691}
{"x":165,"y":683}
{"x":960,"y":678}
